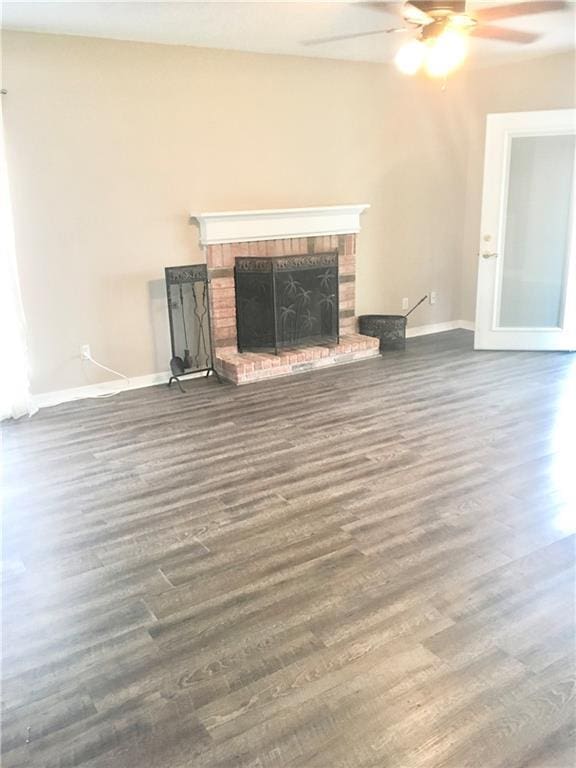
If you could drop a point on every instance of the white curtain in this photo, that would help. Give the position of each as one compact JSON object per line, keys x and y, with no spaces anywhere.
{"x":15,"y":397}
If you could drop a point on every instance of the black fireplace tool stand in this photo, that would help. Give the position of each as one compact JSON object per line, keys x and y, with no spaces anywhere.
{"x":187,"y":290}
{"x":178,"y":372}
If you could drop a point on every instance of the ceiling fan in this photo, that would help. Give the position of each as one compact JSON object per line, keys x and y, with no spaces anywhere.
{"x":443,"y":27}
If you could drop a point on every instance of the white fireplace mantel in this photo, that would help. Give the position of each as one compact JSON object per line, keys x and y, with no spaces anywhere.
{"x":278,"y":224}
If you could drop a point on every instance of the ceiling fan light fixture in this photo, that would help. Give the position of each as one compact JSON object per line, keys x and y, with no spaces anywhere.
{"x":410,"y":57}
{"x":445,"y":53}
{"x":462,"y":21}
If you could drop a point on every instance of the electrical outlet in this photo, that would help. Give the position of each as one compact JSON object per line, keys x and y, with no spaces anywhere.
{"x":432,"y":297}
{"x":85,"y":352}
{"x":405,"y":304}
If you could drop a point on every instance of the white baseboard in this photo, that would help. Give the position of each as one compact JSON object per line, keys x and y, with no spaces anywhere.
{"x":449,"y":325}
{"x":46,"y":399}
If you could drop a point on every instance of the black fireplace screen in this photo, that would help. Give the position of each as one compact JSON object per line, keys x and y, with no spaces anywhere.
{"x":286,"y":301}
{"x":189,"y":315}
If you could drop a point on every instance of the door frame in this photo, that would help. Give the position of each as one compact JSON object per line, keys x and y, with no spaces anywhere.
{"x":501,"y":128}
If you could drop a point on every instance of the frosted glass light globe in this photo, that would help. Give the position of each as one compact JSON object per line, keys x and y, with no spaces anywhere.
{"x":445,"y":53}
{"x":410,"y":57}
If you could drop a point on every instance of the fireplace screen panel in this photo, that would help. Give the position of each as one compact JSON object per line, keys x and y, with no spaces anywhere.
{"x":287,"y":301}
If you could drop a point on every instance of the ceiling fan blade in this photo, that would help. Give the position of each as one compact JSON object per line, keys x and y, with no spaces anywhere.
{"x":336,"y":38}
{"x":506,"y":35}
{"x":389,"y":7}
{"x":518,"y":9}
{"x":408,"y":11}
{"x":415,"y":15}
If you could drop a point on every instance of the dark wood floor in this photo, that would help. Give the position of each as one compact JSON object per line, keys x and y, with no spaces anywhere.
{"x":368,"y":566}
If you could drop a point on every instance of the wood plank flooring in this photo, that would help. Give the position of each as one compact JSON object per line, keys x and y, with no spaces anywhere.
{"x":365,"y":567}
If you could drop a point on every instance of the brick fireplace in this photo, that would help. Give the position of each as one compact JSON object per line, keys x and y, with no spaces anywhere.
{"x":281,"y":233}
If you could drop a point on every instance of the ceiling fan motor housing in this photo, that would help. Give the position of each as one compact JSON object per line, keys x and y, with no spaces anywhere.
{"x":448,"y":6}
{"x":435,"y":29}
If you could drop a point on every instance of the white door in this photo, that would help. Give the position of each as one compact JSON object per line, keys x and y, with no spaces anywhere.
{"x":527,"y":260}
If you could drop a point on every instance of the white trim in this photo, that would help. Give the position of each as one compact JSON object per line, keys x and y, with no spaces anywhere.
{"x":278,"y":224}
{"x":47,"y":399}
{"x":449,"y":325}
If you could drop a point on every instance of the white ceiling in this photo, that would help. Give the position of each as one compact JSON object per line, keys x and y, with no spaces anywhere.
{"x":274,"y":26}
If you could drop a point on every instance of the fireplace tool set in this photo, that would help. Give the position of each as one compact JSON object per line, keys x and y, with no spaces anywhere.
{"x":189,"y":317}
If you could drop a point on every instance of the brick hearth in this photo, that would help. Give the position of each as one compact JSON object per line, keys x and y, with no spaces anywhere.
{"x":242,"y":368}
{"x":249,"y":367}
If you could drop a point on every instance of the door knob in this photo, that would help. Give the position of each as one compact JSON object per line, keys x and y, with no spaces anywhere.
{"x":489,"y":255}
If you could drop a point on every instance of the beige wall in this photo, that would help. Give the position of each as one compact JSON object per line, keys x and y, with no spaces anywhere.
{"x":545,"y":83}
{"x":112,"y":144}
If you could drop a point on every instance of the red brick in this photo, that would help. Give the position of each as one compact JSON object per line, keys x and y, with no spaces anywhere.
{"x":276,"y":248}
{"x":225,"y":306}
{"x":347,"y":291}
{"x":222,"y":332}
{"x":223,"y":328}
{"x":350,"y":245}
{"x":223,"y":299}
{"x":215,"y":256}
{"x":221,"y":313}
{"x":223,"y":340}
{"x":291,"y":246}
{"x":223,"y":295}
{"x":347,"y":264}
{"x":227,"y":258}
{"x":238,"y":249}
{"x":222,"y":283}
{"x":318,"y":244}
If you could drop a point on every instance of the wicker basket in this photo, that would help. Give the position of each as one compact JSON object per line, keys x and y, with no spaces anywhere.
{"x":390,"y":329}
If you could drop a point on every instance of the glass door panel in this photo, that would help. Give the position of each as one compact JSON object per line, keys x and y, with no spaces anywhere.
{"x":536,"y":231}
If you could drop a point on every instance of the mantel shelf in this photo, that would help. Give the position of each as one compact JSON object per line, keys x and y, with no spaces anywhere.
{"x":278,"y":224}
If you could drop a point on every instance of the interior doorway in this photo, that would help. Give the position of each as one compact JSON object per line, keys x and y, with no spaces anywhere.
{"x":527,"y":259}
